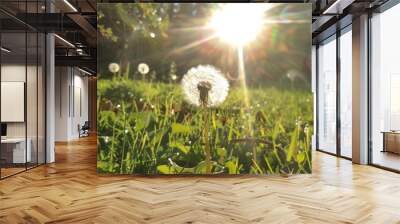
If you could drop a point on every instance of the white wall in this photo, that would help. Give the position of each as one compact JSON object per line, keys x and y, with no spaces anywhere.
{"x":71,"y":94}
{"x":33,"y":126}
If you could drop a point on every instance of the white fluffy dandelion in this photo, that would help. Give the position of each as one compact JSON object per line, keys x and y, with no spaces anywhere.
{"x":113,"y":67}
{"x":174,"y":77}
{"x":293,"y":75}
{"x":205,"y":77}
{"x":143,"y":68}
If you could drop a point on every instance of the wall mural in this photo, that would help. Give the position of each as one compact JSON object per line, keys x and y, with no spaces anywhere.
{"x":204,"y":88}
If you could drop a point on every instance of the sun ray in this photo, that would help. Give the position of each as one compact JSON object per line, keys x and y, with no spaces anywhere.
{"x":246,"y":97}
{"x":193,"y":44}
{"x":190,"y":29}
{"x":242,"y":78}
{"x":284,"y":21}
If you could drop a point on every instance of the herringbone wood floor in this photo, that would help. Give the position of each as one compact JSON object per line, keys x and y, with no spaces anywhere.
{"x":70,"y":191}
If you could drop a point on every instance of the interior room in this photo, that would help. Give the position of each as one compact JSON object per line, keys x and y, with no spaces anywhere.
{"x":22,"y":102}
{"x":126,"y":111}
{"x":385,"y":88}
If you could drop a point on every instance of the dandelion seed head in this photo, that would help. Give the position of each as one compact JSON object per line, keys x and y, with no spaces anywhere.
{"x":113,"y":67}
{"x":209,"y":76}
{"x":152,"y":35}
{"x":174,"y":77}
{"x":152,"y":106}
{"x":118,"y":106}
{"x":106,"y":139}
{"x":126,"y":131}
{"x":143,"y":68}
{"x":293,"y":75}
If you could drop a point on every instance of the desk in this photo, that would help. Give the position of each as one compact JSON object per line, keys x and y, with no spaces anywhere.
{"x":13,"y":150}
{"x":391,"y":141}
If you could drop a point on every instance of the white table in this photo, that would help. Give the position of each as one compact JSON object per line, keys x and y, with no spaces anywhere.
{"x":18,"y":144}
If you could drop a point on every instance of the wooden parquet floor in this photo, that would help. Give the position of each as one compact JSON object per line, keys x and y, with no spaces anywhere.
{"x":70,"y":191}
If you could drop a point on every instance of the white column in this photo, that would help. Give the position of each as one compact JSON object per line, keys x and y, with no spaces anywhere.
{"x":50,"y":98}
{"x":360,"y":90}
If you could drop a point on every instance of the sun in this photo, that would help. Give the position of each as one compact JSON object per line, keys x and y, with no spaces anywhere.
{"x":237,"y":23}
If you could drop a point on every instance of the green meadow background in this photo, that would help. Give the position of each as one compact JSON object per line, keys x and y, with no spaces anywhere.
{"x":146,"y":127}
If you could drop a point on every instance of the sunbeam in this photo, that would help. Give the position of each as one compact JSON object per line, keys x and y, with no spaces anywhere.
{"x":242,"y":78}
{"x":194,"y":44}
{"x":189,"y":29}
{"x":284,"y":21}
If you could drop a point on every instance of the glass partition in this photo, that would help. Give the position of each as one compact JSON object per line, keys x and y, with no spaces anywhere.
{"x":14,"y":153}
{"x":41,"y":96}
{"x":22,"y":88}
{"x":385,"y":89}
{"x":346,"y":93}
{"x":327,"y":95}
{"x":31,"y":97}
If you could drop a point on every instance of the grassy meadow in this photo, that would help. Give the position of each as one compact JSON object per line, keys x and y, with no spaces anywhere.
{"x":147,"y":128}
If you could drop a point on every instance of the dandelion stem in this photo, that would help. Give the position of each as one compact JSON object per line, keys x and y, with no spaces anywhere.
{"x":204,"y":87}
{"x":206,"y":142}
{"x":123,"y":144}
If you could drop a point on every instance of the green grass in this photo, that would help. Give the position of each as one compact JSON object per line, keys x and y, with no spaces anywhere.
{"x":147,"y":128}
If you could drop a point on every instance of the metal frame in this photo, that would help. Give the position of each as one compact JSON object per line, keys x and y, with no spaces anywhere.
{"x":389,"y":4}
{"x":338,"y":98}
{"x":369,"y":90}
{"x":338,"y":153}
{"x":44,"y":74}
{"x":0,"y":87}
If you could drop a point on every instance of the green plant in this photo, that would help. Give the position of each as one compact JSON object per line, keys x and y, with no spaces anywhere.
{"x":147,"y":128}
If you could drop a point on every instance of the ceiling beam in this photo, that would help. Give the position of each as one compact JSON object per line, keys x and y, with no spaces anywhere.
{"x":84,"y":24}
{"x":78,"y":61}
